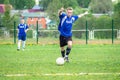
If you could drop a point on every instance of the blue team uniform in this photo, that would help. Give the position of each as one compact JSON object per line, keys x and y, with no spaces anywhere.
{"x":22,"y":33}
{"x":65,"y":25}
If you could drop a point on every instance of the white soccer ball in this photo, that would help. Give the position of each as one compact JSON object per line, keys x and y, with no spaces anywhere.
{"x":60,"y":61}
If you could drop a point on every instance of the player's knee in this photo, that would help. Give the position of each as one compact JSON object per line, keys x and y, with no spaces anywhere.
{"x":62,"y":49}
{"x":70,"y":44}
{"x":19,"y":40}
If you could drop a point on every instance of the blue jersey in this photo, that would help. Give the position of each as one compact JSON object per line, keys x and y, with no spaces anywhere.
{"x":65,"y":25}
{"x":22,"y":28}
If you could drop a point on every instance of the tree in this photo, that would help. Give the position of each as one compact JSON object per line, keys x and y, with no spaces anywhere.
{"x":1,"y":1}
{"x":66,"y":3}
{"x":22,"y":4}
{"x":52,"y":9}
{"x":117,"y":15}
{"x":101,"y":6}
{"x":1,"y":20}
{"x":29,"y":4}
{"x":84,"y":3}
{"x":45,"y":3}
{"x":117,"y":8}
{"x":71,"y":3}
{"x":6,"y":17}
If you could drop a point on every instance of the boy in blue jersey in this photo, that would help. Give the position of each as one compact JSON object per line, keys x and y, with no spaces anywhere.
{"x":65,"y":28}
{"x":22,"y":30}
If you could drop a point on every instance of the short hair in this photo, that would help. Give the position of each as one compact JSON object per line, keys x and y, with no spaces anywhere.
{"x":69,"y":8}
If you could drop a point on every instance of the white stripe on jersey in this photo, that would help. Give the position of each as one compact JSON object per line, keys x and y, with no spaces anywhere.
{"x":73,"y":19}
{"x":63,"y":20}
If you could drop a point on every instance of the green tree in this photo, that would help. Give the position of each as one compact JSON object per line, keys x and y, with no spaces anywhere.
{"x":22,"y":4}
{"x":29,"y":4}
{"x":13,"y":3}
{"x":84,"y":3}
{"x":6,"y":17}
{"x":71,"y":3}
{"x":117,"y":15}
{"x":1,"y":20}
{"x":1,"y":1}
{"x":101,"y":6}
{"x":66,"y":3}
{"x":52,"y":9}
{"x":45,"y":3}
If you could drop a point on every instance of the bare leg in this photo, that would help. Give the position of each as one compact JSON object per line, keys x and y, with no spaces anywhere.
{"x":69,"y":44}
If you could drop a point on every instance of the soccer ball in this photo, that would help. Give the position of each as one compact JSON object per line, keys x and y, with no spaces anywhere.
{"x":60,"y":61}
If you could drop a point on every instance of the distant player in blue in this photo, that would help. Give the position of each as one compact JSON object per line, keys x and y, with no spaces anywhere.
{"x":65,"y":28}
{"x":22,"y":30}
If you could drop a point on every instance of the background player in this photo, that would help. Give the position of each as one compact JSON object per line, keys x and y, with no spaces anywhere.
{"x":22,"y":30}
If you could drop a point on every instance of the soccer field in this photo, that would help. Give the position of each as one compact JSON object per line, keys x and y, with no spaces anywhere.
{"x":37,"y":62}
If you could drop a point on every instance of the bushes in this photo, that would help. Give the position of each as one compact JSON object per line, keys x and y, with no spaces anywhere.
{"x":102,"y":22}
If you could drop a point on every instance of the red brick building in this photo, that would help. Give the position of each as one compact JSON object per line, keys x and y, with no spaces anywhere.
{"x":32,"y":18}
{"x":33,"y":21}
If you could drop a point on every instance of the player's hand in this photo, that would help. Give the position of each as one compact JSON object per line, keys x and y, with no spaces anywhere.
{"x":62,"y":9}
{"x":83,"y":14}
{"x":25,"y":31}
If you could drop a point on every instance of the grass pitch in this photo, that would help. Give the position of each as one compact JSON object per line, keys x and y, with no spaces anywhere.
{"x":37,"y":62}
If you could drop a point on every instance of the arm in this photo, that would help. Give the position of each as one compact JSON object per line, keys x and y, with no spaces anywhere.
{"x":80,"y":15}
{"x":26,"y":29}
{"x":60,"y":11}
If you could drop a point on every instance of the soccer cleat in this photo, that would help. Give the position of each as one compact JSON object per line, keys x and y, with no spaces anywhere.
{"x":18,"y":49}
{"x":66,"y":59}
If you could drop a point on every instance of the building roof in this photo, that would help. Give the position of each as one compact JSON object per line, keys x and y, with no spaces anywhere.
{"x":42,"y":14}
{"x":36,"y":8}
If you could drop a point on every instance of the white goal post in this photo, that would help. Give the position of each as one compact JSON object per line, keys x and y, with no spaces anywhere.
{"x":91,"y":33}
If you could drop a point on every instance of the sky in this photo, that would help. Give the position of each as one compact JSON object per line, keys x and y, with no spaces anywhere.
{"x":37,"y":2}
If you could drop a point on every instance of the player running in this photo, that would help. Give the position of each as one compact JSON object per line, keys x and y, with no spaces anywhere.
{"x":65,"y":28}
{"x":22,"y":30}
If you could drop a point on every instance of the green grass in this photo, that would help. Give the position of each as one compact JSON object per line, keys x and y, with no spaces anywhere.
{"x":38,"y":60}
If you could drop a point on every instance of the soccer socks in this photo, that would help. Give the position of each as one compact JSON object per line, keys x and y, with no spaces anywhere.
{"x":19,"y":44}
{"x":23,"y":44}
{"x":68,"y":51}
{"x":63,"y":53}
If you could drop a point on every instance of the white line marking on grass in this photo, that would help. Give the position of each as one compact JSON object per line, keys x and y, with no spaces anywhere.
{"x":60,"y":74}
{"x":79,"y":74}
{"x":11,"y":75}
